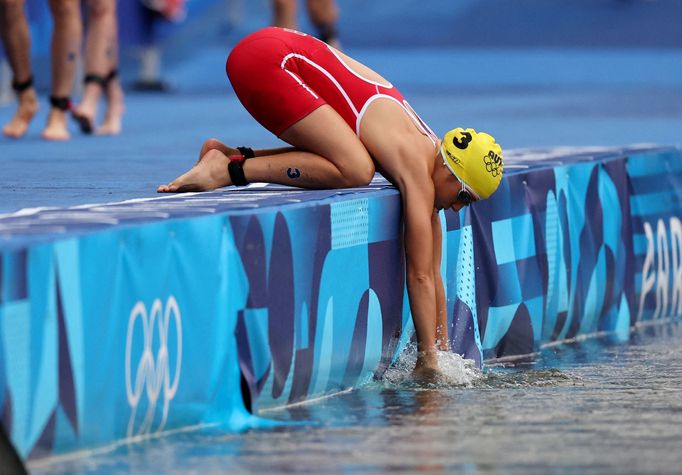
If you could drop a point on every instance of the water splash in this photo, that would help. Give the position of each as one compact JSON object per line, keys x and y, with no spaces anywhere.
{"x":495,"y":378}
{"x":456,"y":371}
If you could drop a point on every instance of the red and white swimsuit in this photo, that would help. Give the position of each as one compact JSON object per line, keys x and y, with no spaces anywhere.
{"x":281,"y":76}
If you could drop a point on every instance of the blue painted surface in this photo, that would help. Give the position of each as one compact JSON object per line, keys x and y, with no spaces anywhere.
{"x":96,"y":170}
{"x":575,"y":77}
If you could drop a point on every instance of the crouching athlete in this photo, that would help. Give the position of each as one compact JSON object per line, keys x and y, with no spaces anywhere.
{"x":344,"y":121}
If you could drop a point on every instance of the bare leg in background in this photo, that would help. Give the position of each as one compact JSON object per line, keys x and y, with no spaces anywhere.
{"x":323,"y":15}
{"x":101,"y":62}
{"x":17,"y":40}
{"x":66,"y":40}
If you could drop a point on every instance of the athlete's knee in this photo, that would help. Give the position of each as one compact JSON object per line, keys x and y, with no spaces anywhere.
{"x":11,"y":6}
{"x":359,"y":175}
{"x":63,"y":10}
{"x":98,"y":9}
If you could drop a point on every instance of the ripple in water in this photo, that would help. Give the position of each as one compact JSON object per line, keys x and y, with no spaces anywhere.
{"x":495,"y":378}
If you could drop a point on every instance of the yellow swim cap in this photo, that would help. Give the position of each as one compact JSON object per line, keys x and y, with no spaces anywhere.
{"x":474,"y":158}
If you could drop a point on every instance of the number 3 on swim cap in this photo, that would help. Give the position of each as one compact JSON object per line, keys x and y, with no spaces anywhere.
{"x":464,"y":143}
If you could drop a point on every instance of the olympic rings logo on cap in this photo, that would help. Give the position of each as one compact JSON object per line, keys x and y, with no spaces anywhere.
{"x":493,"y":163}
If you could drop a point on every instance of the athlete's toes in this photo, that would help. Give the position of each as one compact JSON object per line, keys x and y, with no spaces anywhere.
{"x":169,"y":188}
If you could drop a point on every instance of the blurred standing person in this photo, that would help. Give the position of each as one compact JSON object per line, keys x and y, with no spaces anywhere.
{"x":101,"y":71}
{"x":101,"y":60}
{"x":323,"y":14}
{"x":17,"y":40}
{"x":171,"y":10}
{"x":154,"y":12}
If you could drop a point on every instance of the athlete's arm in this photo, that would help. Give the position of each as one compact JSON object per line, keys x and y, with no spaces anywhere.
{"x":441,"y":309}
{"x":405,"y":157}
{"x":417,"y":199}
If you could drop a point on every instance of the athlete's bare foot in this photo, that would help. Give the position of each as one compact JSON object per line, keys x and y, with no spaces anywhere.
{"x":427,"y":370}
{"x":113,"y":118}
{"x":428,"y":375}
{"x":56,"y":126}
{"x":208,"y":174}
{"x":85,"y":113}
{"x":26,"y":110}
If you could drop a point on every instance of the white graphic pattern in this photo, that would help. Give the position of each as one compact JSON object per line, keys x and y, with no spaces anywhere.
{"x":153,"y":374}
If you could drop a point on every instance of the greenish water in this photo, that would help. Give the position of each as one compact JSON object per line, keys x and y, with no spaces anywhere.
{"x":590,"y":407}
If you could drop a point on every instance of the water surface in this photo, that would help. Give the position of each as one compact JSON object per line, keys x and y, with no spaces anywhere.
{"x":591,"y":407}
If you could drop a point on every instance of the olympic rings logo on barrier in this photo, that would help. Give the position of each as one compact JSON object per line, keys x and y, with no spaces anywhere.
{"x":153,"y":374}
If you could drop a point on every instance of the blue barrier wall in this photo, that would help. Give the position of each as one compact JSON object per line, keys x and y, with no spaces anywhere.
{"x":134,"y":318}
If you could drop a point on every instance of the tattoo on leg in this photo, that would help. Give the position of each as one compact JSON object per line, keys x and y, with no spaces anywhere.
{"x":293,"y":173}
{"x":71,"y":56}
